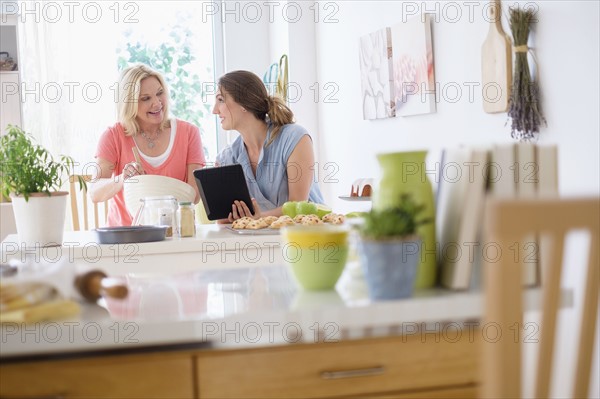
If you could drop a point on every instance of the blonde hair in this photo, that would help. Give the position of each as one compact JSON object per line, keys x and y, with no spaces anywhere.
{"x":248,"y":90}
{"x":129,"y":92}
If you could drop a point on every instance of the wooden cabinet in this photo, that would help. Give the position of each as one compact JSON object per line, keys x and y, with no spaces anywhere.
{"x":157,"y":375}
{"x":10,"y":103}
{"x":10,"y":87}
{"x":416,"y":366}
{"x":351,"y":368}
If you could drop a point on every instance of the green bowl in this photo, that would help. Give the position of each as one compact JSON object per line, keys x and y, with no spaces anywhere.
{"x":316,"y":254}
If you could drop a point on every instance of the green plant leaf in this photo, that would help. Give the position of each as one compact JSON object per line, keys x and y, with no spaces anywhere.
{"x":26,"y":167}
{"x":400,"y":221}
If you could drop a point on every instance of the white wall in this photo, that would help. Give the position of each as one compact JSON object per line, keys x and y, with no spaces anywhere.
{"x":303,"y":75}
{"x":257,"y":34}
{"x":246,"y":37}
{"x":566,"y":42}
{"x":569,"y":65}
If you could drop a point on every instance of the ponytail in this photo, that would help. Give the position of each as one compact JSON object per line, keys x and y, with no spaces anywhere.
{"x":249,"y":91}
{"x":279,"y":114}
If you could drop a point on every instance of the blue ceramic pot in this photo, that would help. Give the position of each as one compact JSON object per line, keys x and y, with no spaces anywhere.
{"x":390,"y":267}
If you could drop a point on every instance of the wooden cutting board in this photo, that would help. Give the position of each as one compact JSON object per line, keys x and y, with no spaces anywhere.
{"x":496,"y":63}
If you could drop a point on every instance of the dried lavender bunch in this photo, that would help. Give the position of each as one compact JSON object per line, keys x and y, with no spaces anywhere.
{"x":524,"y":105}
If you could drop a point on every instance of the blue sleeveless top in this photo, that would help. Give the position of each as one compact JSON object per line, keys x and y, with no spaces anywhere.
{"x":270,"y":185}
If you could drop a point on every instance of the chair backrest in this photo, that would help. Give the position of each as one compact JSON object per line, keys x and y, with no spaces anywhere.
{"x":73,"y":190}
{"x":507,"y":222}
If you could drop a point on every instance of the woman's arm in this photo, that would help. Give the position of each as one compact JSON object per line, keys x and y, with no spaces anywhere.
{"x":103,"y":186}
{"x":300,"y":175}
{"x":300,"y":170}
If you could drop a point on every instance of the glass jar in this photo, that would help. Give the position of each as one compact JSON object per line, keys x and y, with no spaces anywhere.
{"x":186,"y":226}
{"x":152,"y":209}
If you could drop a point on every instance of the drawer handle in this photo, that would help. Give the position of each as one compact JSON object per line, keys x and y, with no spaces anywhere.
{"x":334,"y":375}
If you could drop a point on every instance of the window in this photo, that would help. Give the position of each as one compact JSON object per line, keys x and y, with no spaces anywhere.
{"x":74,"y":52}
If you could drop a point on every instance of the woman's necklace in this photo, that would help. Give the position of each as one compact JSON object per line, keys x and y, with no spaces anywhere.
{"x":151,"y":141}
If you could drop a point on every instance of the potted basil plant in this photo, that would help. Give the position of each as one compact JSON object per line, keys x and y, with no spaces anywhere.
{"x":32,"y":178}
{"x":389,"y":248}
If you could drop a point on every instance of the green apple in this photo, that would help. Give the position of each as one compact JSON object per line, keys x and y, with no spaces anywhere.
{"x":289,"y":209}
{"x":306,"y":208}
{"x":322,"y":210}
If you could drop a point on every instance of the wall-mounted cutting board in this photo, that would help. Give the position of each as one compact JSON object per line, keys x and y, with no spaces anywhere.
{"x":496,"y":63}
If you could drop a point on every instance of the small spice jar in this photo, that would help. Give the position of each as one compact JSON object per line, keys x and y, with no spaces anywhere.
{"x":185,"y":220}
{"x":166,"y":219}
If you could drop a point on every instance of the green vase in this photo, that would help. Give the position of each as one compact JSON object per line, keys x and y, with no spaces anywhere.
{"x":405,"y":172}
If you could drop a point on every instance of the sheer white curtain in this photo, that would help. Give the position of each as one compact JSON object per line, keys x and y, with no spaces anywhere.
{"x":70,"y":66}
{"x":69,"y":75}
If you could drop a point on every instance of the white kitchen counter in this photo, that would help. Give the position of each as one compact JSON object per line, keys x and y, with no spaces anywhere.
{"x":245,"y":307}
{"x":213,"y":245}
{"x":223,"y":290}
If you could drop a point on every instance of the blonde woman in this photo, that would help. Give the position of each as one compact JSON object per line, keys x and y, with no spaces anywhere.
{"x":168,"y":146}
{"x":276,"y":154}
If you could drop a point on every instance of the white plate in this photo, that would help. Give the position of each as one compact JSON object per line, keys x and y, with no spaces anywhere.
{"x":250,"y":232}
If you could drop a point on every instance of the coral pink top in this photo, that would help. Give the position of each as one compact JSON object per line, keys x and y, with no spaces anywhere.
{"x":114,"y":146}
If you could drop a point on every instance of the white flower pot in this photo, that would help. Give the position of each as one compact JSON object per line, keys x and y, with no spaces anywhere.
{"x":40,"y":220}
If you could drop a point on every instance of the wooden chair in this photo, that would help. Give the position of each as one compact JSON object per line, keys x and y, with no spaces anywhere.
{"x":506,"y":223}
{"x":73,"y":190}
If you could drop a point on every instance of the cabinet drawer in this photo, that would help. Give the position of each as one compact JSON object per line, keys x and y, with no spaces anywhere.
{"x":140,"y":376}
{"x":339,"y":369}
{"x":462,"y":392}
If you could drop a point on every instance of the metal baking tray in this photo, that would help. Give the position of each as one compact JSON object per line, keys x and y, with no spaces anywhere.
{"x":130,"y":234}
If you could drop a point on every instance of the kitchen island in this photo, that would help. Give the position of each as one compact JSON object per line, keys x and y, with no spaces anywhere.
{"x":212,"y":245}
{"x":231,"y":328}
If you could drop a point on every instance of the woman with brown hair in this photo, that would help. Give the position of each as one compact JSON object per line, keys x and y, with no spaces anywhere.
{"x":276,"y":154}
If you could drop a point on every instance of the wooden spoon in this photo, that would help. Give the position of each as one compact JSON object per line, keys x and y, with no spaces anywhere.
{"x":136,"y":155}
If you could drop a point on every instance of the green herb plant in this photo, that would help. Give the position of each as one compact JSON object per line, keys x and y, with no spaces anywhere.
{"x":26,"y":167}
{"x":524,"y":104}
{"x":393,"y":223}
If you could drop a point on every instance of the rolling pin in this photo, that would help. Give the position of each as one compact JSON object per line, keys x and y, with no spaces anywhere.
{"x":30,"y":294}
{"x":95,"y":284}
{"x":21,"y":281}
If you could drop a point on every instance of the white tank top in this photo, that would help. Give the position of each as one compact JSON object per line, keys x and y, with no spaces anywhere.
{"x":158,"y":160}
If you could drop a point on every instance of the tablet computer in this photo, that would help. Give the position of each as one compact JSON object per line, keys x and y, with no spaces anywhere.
{"x":219,"y":187}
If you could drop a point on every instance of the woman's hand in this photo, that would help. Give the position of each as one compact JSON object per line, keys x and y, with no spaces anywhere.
{"x":131,"y":169}
{"x":239,"y":209}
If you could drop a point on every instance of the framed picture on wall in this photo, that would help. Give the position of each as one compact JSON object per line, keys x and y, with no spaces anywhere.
{"x":376,"y":75}
{"x":413,"y":68}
